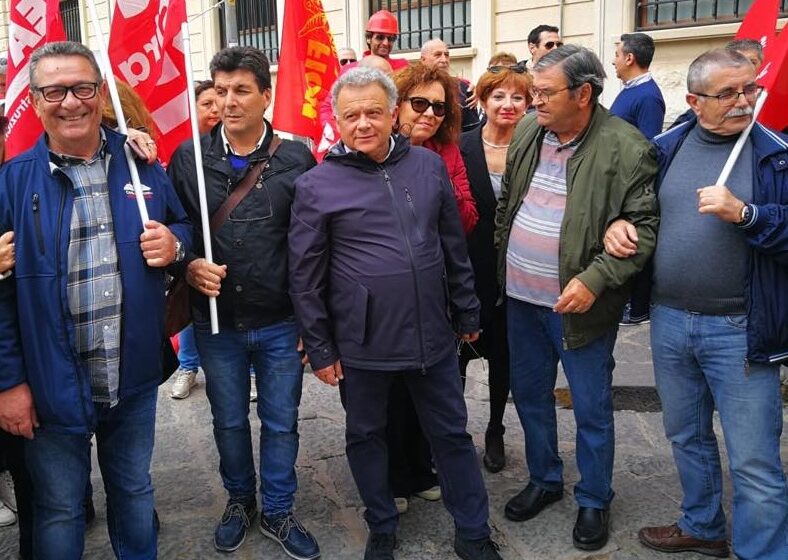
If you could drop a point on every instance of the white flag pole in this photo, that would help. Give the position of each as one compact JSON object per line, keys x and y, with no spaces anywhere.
{"x":737,"y":148}
{"x":113,"y":93}
{"x":205,"y":219}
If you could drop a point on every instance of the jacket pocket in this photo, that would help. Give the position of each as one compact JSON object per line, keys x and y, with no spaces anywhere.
{"x":357,"y":321}
{"x":37,"y":223}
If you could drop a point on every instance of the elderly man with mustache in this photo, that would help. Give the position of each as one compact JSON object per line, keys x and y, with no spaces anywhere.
{"x":719,"y":317}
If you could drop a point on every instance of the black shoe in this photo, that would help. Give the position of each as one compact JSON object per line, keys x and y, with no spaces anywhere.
{"x":231,"y":530}
{"x":494,"y":457}
{"x":380,"y":546}
{"x":530,"y":502}
{"x":591,"y":532}
{"x":481,"y":549}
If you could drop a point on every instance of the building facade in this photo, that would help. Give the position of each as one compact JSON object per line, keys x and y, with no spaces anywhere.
{"x":475,"y":29}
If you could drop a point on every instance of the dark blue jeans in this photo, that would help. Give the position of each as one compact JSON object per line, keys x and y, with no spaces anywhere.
{"x":438,"y":399}
{"x":59,"y":466}
{"x":535,"y":346}
{"x":226,"y":358}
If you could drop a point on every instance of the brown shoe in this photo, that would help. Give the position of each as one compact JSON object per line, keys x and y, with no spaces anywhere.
{"x":671,"y":539}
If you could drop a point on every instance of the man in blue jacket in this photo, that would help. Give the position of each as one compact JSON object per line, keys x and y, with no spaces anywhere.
{"x":378,"y":273}
{"x":81,"y":324}
{"x":719,"y":319}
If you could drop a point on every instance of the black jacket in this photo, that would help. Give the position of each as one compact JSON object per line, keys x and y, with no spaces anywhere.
{"x":252,"y":242}
{"x":378,"y":265}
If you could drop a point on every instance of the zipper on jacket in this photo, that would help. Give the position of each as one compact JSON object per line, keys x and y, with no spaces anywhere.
{"x":411,"y":259}
{"x":37,"y":222}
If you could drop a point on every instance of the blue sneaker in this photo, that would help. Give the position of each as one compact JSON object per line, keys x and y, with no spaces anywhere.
{"x":296,"y":541}
{"x":231,"y":530}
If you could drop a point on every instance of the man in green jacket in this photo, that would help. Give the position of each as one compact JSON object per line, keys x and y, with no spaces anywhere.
{"x":572,"y":169}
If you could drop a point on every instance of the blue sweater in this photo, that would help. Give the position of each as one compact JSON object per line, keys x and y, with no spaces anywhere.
{"x":641,"y":106}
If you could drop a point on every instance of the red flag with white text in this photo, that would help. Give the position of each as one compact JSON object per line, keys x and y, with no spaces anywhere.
{"x":760,"y":24}
{"x":308,"y":67}
{"x":146,"y":51}
{"x":31,"y":24}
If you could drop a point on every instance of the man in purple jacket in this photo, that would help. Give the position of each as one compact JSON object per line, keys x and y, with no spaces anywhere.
{"x":381,"y":284}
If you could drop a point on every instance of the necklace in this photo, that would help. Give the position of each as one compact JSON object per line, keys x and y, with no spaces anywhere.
{"x":495,"y":146}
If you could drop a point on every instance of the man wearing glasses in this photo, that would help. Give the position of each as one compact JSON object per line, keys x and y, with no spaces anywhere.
{"x":719,"y":317}
{"x":82,"y":322}
{"x":346,"y":56}
{"x":573,"y":168}
{"x":541,"y":40}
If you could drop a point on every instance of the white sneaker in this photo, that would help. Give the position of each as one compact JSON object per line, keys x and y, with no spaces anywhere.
{"x":7,"y":517}
{"x":402,"y":505}
{"x":7,"y":495}
{"x":431,"y":494}
{"x":253,"y":390}
{"x":184,"y":381}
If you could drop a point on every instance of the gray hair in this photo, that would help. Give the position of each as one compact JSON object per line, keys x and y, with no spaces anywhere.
{"x":579,"y":65}
{"x":63,"y":48}
{"x":701,"y":67}
{"x":427,"y":46}
{"x":360,"y":77}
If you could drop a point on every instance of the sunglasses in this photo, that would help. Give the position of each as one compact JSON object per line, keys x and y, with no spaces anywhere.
{"x":420,"y":105}
{"x":343,"y":61}
{"x":553,"y":44}
{"x":382,"y":37}
{"x":519,"y":68}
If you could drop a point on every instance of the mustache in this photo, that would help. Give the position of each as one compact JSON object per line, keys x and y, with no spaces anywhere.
{"x":738,"y":112}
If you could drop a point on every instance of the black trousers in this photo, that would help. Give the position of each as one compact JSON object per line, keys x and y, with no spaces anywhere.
{"x":12,"y":449}
{"x":438,"y":399}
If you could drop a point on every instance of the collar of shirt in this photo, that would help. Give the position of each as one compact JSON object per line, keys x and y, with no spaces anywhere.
{"x":643,"y":78}
{"x":228,"y":149}
{"x":64,"y":160}
{"x":351,"y":151}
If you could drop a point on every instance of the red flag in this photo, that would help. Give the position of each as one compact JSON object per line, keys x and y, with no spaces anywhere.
{"x":308,"y":66}
{"x":760,"y":22}
{"x":774,"y":77}
{"x":146,"y":50}
{"x":31,"y":24}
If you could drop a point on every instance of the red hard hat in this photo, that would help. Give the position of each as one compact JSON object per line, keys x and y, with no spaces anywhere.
{"x":383,"y":21}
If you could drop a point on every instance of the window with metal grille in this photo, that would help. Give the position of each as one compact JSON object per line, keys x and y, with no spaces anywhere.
{"x":659,"y":14}
{"x":69,"y":12}
{"x":257,"y":26}
{"x":421,"y":20}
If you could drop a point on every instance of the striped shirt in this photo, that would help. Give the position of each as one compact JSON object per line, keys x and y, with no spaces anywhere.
{"x":532,"y":254}
{"x":93,"y":287}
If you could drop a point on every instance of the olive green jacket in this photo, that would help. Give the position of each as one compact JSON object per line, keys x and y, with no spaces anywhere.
{"x":610,"y":176}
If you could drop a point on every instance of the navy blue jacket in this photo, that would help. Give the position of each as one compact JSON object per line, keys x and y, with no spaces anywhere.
{"x":379,"y":273}
{"x":37,"y":344}
{"x":766,"y":293}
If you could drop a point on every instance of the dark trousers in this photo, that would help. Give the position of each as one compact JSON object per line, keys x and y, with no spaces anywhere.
{"x":13,"y":451}
{"x":640,"y":299}
{"x":439,"y":403}
{"x":493,"y":345}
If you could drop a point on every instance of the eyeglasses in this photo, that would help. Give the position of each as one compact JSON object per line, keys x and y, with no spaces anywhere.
{"x":56,"y":94}
{"x":343,"y":61}
{"x":519,"y":68}
{"x":546,"y":95}
{"x":730,"y":98}
{"x":382,"y":37}
{"x":550,"y":45}
{"x":420,"y":105}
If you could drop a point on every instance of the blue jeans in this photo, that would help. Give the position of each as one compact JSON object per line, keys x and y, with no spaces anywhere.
{"x":226,"y":358}
{"x":535,"y":346}
{"x":700,"y":362}
{"x":59,"y":466}
{"x":188,"y":358}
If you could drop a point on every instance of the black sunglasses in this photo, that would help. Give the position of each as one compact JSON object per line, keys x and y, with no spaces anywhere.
{"x":420,"y":105}
{"x":551,"y":44}
{"x":382,"y":37}
{"x":519,"y":68}
{"x":343,"y":61}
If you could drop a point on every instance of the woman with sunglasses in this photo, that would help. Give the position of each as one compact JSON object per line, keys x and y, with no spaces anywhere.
{"x":430,"y":116}
{"x":504,"y":97}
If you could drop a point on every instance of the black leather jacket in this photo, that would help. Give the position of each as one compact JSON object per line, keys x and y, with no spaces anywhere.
{"x":252,"y":242}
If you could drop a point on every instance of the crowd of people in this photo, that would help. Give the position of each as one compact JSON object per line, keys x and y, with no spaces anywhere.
{"x":431,"y":234}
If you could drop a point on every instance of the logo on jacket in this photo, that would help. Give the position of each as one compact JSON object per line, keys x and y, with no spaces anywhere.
{"x":147,"y":193}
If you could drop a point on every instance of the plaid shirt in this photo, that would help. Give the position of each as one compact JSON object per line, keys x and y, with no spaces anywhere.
{"x":93,"y":286}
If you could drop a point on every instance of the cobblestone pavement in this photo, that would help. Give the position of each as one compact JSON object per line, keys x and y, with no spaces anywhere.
{"x":190,"y":498}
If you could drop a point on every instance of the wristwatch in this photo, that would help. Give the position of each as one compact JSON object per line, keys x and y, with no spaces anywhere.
{"x":180,"y":251}
{"x":746,"y":215}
